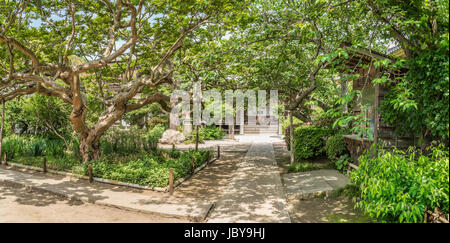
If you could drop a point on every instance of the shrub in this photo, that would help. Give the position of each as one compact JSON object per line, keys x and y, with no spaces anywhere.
{"x":335,"y":147}
{"x":127,"y":142}
{"x":342,"y":163}
{"x":206,"y":133}
{"x":399,"y":187}
{"x":75,"y":143}
{"x":211,"y":133}
{"x":309,"y":141}
{"x":303,"y":167}
{"x":153,"y":137}
{"x":155,"y":121}
{"x":29,"y":146}
{"x":144,"y":169}
{"x":54,"y":148}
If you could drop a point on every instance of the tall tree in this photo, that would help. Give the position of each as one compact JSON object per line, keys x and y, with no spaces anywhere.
{"x":59,"y":48}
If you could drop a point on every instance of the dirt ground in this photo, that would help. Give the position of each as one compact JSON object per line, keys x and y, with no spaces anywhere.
{"x":20,"y":204}
{"x":318,"y":210}
{"x":325,"y":210}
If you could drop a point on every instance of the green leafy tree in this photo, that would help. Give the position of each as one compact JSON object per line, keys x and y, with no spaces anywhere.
{"x":97,"y":56}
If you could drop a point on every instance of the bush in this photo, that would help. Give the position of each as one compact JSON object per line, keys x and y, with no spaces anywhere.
{"x":75,"y":144}
{"x":211,"y":133}
{"x":29,"y":146}
{"x":155,"y":121}
{"x":335,"y":147}
{"x":399,"y":187}
{"x":145,"y":169}
{"x":309,"y":141}
{"x":206,"y":133}
{"x":303,"y":167}
{"x":342,"y":163}
{"x":133,"y":141}
{"x":154,"y":135}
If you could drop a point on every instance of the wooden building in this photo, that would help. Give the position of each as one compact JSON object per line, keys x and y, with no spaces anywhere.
{"x":361,"y":61}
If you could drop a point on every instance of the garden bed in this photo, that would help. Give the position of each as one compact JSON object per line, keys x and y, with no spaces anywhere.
{"x":142,"y":171}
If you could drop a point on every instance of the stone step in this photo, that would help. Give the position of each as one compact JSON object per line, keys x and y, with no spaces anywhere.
{"x":261,"y":132}
{"x":260,"y":128}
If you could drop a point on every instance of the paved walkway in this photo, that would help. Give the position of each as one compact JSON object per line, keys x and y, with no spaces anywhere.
{"x":255,"y":193}
{"x":306,"y":184}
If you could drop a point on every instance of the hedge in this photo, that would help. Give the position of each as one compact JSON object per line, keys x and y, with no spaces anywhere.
{"x":335,"y":147}
{"x":309,"y":141}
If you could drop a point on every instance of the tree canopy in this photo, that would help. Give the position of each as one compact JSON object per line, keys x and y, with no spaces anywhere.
{"x":106,"y":59}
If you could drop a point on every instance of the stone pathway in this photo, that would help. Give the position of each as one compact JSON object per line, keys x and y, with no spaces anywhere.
{"x":306,"y":184}
{"x":255,"y":192}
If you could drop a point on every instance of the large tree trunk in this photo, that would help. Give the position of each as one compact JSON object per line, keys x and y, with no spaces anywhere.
{"x":90,"y":137}
{"x":90,"y":140}
{"x":89,"y":150}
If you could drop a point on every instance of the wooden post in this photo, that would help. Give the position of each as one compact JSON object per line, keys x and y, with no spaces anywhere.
{"x":4,"y":159}
{"x":196,"y":137}
{"x":291,"y":137}
{"x":173,"y":148}
{"x":192,"y":166}
{"x":207,"y":156}
{"x":218,"y":151}
{"x":91,"y":177}
{"x":2,"y":125}
{"x":44,"y":164}
{"x":171,"y":181}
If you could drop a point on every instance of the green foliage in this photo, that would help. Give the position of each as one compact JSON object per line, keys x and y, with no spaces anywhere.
{"x":147,"y":170}
{"x":206,"y":133}
{"x":309,"y":141}
{"x":54,"y":163}
{"x":399,"y":186}
{"x":16,"y":146}
{"x":211,"y":133}
{"x":341,"y":164}
{"x":155,"y":121}
{"x":39,"y":115}
{"x":302,"y":167}
{"x":420,"y":101}
{"x":75,"y":147}
{"x":335,"y":147}
{"x":154,"y":135}
{"x":123,"y":141}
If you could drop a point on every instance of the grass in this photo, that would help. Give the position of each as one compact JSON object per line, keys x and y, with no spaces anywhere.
{"x":303,"y":167}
